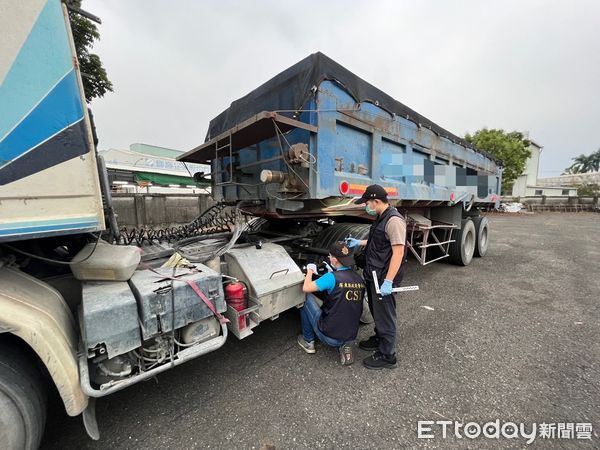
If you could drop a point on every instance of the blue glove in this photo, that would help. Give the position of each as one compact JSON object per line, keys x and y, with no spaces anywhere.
{"x":386,"y":288}
{"x":351,"y":242}
{"x":312,"y":267}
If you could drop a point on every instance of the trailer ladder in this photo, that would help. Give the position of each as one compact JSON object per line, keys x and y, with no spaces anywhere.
{"x":421,"y":235}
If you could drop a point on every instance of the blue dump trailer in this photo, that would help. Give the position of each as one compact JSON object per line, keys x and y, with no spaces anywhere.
{"x":307,"y":142}
{"x":91,"y":308}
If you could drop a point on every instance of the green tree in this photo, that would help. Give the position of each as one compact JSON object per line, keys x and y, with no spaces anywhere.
{"x":588,"y":190}
{"x":596,"y":160}
{"x":93,"y":74}
{"x":584,"y":163}
{"x":511,"y":148}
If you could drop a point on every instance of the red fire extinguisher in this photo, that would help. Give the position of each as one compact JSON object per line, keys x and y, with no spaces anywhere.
{"x":234,"y":296}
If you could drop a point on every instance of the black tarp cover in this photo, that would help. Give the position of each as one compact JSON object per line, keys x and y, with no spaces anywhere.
{"x":292,"y":88}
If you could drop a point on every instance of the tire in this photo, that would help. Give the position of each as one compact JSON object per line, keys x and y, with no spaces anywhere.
{"x":22,"y":400}
{"x":461,"y":251}
{"x":366,"y":316}
{"x":482,"y":226}
{"x":339,"y":231}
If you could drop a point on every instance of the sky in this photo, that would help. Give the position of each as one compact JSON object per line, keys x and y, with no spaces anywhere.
{"x":527,"y":65}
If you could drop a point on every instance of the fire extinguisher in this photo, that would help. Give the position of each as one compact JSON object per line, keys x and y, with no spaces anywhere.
{"x":235,"y":297}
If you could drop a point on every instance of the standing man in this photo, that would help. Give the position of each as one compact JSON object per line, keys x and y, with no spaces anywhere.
{"x":384,"y":254}
{"x":336,"y":323}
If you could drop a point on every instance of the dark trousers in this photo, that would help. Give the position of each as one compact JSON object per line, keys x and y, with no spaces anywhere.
{"x":384,"y":314}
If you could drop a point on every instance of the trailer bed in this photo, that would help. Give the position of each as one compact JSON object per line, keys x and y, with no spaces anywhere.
{"x":313,"y":137}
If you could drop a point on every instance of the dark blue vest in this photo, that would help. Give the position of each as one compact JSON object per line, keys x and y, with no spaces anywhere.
{"x":343,"y":307}
{"x":379,"y":250}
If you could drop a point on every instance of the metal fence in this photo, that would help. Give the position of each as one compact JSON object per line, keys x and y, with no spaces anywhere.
{"x":542,"y":203}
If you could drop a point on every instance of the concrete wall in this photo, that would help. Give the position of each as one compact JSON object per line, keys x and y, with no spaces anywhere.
{"x":530,"y":173}
{"x":158,"y":210}
{"x":532,"y":191}
{"x":548,"y":203}
{"x":532,"y":165}
{"x":519,"y":188}
{"x":571,"y":180}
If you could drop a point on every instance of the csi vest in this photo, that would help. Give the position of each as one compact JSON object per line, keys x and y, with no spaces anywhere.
{"x":343,"y":307}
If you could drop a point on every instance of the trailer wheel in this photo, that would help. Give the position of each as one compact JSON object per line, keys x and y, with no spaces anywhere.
{"x":339,"y":231}
{"x":461,"y":251}
{"x":482,"y":225}
{"x":22,"y":401}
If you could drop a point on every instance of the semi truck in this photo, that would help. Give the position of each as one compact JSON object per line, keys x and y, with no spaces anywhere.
{"x":88,"y":309}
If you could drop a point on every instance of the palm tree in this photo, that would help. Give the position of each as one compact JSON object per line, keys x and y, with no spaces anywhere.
{"x":584,"y":164}
{"x":595,"y":160}
{"x":581,"y":164}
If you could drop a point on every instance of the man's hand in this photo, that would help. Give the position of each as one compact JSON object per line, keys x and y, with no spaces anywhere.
{"x":351,"y":242}
{"x":312,"y":267}
{"x":386,"y":288}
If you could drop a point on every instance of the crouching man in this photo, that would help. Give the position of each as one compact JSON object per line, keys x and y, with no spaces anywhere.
{"x":336,"y":322}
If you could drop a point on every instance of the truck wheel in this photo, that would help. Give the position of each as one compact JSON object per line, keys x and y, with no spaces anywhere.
{"x":461,"y":251}
{"x":482,"y":225}
{"x":22,"y":401}
{"x":366,"y":316}
{"x":339,"y":231}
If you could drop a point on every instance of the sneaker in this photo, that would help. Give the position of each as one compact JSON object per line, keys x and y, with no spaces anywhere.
{"x":378,"y":361}
{"x":370,"y":345}
{"x":346,"y":354}
{"x":308,"y":347}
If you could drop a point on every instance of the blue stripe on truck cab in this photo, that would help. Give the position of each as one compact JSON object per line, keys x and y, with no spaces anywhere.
{"x":42,"y":61}
{"x":44,"y":122}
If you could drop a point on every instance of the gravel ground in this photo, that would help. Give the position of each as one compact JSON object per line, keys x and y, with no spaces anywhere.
{"x":515,"y":336}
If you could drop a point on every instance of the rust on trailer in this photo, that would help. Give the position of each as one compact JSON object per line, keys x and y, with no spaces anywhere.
{"x":251,"y":131}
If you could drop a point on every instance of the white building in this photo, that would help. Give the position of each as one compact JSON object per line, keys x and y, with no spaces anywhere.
{"x":152,"y":169}
{"x":528,"y":185}
{"x":575,"y":179}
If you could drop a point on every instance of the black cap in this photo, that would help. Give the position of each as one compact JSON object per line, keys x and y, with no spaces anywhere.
{"x":371,"y":193}
{"x":342,"y":252}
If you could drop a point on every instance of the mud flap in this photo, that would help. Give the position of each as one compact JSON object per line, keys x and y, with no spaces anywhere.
{"x":89,"y":419}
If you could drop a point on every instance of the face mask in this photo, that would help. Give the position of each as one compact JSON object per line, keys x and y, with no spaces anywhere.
{"x":370,"y":211}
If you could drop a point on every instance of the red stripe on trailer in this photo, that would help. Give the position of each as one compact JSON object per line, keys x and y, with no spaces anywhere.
{"x":359,"y":189}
